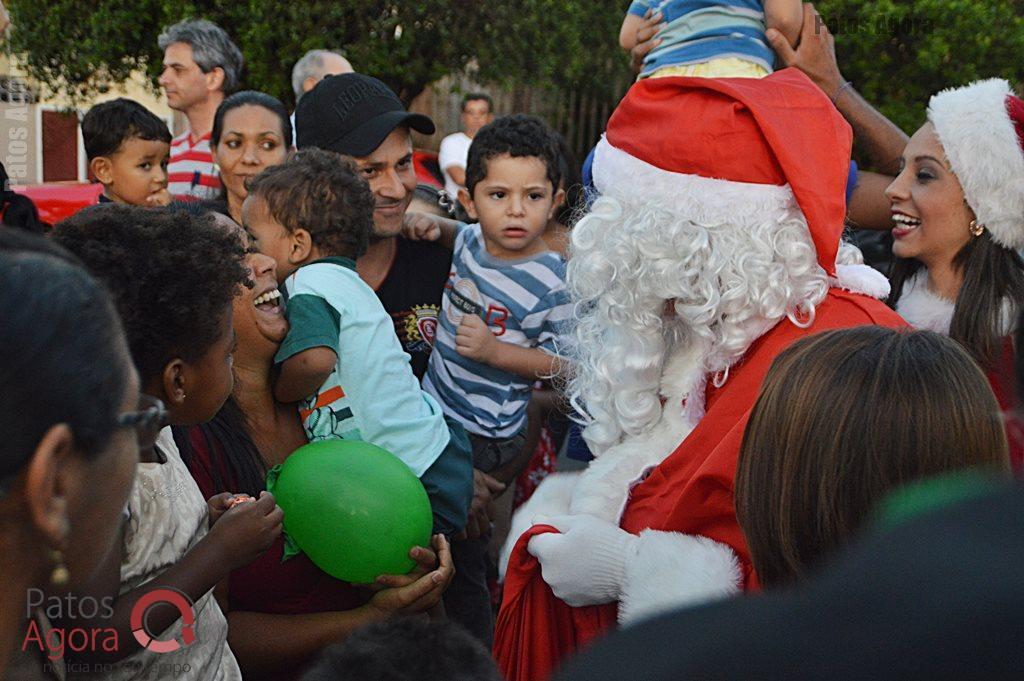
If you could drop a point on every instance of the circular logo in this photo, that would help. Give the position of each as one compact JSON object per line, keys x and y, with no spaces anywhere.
{"x":463,"y":298}
{"x":176,"y":599}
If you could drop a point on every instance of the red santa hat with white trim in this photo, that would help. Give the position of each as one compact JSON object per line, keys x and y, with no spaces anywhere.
{"x":709,"y":149}
{"x":981,"y":129}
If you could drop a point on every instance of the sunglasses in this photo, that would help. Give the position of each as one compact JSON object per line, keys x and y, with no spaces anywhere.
{"x":147,"y":420}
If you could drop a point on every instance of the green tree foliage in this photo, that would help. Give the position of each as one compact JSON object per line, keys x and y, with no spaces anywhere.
{"x":897,"y":52}
{"x":77,"y":48}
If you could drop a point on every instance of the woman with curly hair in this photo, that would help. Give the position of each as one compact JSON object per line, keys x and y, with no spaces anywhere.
{"x":173,"y":277}
{"x":958,"y":226}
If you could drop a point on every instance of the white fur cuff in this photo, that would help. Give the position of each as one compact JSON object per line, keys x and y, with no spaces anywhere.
{"x":672,"y":570}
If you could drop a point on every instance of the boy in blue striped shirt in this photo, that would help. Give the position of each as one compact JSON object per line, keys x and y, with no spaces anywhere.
{"x":711,"y":38}
{"x":505,"y":305}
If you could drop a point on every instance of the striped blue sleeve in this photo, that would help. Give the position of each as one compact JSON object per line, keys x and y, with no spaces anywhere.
{"x":638,"y":7}
{"x":548,"y":323}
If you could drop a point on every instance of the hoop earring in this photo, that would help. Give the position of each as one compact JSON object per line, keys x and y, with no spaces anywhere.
{"x":976,"y":228}
{"x":59,"y":576}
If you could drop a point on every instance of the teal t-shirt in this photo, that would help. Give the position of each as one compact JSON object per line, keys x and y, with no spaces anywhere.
{"x":372,"y":395}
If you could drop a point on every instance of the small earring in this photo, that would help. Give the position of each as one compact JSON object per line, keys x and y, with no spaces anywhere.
{"x":59,"y":576}
{"x":976,"y":228}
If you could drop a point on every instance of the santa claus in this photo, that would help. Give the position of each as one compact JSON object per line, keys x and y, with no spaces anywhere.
{"x":715,"y":244}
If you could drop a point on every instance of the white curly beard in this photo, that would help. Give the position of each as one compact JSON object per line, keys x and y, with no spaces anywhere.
{"x":729,"y":270}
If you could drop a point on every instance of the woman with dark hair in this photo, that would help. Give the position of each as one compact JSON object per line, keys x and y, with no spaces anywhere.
{"x":281,"y":614}
{"x":815,"y":461}
{"x":251,"y":131}
{"x":958,"y":214}
{"x":71,"y":424}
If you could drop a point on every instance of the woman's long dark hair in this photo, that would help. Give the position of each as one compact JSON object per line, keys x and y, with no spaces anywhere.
{"x":992,"y":295}
{"x":235,"y":464}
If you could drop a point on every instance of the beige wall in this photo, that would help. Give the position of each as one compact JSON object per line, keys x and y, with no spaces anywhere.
{"x":19,"y":122}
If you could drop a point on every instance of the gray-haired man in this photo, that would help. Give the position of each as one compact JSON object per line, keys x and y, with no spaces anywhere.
{"x":201,"y":67}
{"x":314,"y":66}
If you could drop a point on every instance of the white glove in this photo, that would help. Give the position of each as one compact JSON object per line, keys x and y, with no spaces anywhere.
{"x":585,"y":564}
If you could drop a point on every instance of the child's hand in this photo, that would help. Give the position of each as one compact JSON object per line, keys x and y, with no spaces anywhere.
{"x":158,"y":198}
{"x":420,"y":227}
{"x":246,"y":530}
{"x":220,"y":503}
{"x":473,"y":339}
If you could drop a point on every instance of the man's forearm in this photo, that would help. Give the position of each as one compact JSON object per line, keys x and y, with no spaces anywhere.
{"x":880,"y":138}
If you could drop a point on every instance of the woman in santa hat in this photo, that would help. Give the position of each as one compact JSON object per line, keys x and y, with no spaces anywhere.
{"x":958,"y":209}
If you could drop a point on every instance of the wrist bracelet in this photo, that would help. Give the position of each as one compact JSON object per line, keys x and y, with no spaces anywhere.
{"x":846,"y":84}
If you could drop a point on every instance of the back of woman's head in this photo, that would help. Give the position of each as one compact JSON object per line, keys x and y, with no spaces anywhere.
{"x":845,"y":417}
{"x":172,"y":275}
{"x":62,"y":355}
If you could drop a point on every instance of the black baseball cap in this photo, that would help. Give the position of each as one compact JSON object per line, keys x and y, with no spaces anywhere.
{"x":352,"y":113}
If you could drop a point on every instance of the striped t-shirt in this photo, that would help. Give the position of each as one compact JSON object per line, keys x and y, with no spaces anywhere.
{"x":191,"y":173}
{"x":698,"y":31}
{"x":524,"y":302}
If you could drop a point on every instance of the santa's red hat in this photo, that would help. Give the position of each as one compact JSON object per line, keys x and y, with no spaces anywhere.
{"x":981,"y":129}
{"x":710,"y":149}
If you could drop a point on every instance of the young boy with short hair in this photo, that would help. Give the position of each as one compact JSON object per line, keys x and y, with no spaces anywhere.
{"x":128,"y":147}
{"x":341,"y":359}
{"x":505,"y":305}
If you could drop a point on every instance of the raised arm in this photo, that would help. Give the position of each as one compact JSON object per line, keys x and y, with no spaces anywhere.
{"x":879,"y":137}
{"x":785,"y":16}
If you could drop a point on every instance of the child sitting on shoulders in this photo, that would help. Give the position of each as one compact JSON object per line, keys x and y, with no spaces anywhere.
{"x":341,"y":359}
{"x":711,"y":38}
{"x":505,"y":305}
{"x":128,"y":148}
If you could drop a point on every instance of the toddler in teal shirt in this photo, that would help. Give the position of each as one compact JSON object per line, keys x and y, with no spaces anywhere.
{"x":341,"y":360}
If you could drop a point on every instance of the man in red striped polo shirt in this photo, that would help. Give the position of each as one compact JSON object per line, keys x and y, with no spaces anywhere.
{"x":201,"y":67}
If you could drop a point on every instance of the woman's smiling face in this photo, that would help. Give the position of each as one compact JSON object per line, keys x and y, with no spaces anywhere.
{"x":931,"y":220}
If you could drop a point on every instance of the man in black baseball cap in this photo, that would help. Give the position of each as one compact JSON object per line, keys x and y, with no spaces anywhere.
{"x":360,"y":116}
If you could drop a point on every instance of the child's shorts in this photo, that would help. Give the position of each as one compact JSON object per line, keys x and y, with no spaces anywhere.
{"x":490,"y":454}
{"x":726,"y":67}
{"x":449,"y":482}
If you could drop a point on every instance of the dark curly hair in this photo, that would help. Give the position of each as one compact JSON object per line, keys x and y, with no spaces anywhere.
{"x":518,"y":136}
{"x":320,"y":192}
{"x":406,"y":648}
{"x":173,"y":276}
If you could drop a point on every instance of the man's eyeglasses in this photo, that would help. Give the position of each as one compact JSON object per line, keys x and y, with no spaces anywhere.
{"x":147,"y":421}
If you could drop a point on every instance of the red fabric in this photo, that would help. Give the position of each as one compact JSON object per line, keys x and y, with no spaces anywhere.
{"x":534,"y":629}
{"x":1015,"y":108}
{"x":542,"y":464}
{"x":1002,"y":379}
{"x":689,"y":492}
{"x":267,"y":585}
{"x":777,"y":130}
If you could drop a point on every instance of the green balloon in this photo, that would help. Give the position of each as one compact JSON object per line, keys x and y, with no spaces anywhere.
{"x":353,"y":508}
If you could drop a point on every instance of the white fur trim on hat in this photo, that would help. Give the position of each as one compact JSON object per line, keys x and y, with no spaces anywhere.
{"x":673,"y":570}
{"x":704,"y":200}
{"x":981,"y":144}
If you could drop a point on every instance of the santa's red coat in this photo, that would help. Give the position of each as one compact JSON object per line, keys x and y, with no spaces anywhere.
{"x":689,"y":492}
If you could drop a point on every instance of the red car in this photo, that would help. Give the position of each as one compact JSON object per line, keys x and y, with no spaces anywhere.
{"x":58,"y":200}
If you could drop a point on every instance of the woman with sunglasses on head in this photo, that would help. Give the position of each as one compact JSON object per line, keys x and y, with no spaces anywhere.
{"x":173,"y":277}
{"x":958,"y":225}
{"x":68,"y":400}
